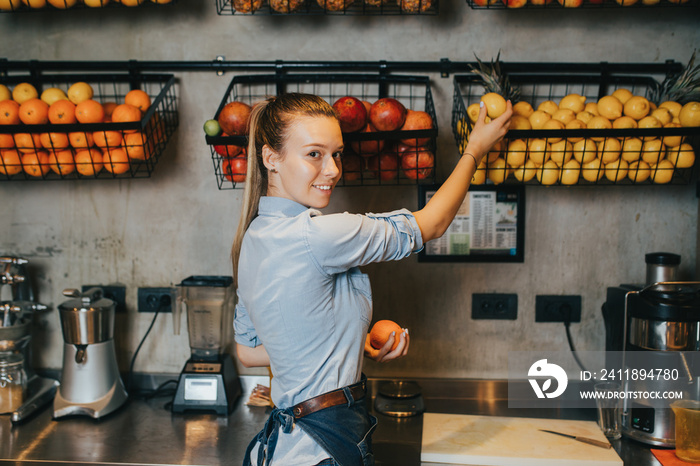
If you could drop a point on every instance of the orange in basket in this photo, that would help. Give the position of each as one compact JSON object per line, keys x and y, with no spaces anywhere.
{"x":89,"y":111}
{"x":125,"y":113}
{"x":105,"y":139}
{"x":9,"y":113}
{"x":138,"y":98}
{"x":28,"y":142}
{"x":62,"y":162}
{"x":10,"y":163}
{"x":88,"y":162}
{"x":34,"y":112}
{"x":62,"y":112}
{"x":36,"y":163}
{"x":116,"y":161}
{"x":81,"y":139}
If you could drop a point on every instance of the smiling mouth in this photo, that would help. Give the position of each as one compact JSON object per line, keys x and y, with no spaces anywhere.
{"x":323,"y":187}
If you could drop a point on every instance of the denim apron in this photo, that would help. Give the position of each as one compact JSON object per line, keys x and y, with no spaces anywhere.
{"x":344,"y":431}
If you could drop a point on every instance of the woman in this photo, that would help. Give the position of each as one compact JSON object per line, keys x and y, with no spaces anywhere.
{"x":304,"y":307}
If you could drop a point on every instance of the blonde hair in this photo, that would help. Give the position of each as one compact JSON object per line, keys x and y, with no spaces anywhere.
{"x":269,"y":124}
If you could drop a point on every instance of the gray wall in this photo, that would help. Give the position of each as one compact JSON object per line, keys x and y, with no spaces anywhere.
{"x":157,"y":231}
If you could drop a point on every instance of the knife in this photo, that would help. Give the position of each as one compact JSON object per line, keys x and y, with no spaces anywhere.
{"x":590,"y":441}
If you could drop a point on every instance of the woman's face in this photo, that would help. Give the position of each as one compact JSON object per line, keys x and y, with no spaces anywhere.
{"x":309,"y":166}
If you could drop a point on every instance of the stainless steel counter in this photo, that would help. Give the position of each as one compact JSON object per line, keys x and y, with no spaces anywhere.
{"x":144,"y":432}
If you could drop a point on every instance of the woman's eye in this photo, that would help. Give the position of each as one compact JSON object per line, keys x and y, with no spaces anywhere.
{"x":314,"y":154}
{"x":338,"y":155}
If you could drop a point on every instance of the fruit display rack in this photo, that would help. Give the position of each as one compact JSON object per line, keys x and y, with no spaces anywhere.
{"x":13,"y":6}
{"x":628,"y":149}
{"x":327,"y":7}
{"x":574,"y":4}
{"x":367,"y":170}
{"x":83,"y":151}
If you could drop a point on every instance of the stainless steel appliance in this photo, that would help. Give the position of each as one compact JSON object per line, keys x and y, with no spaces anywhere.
{"x":209,"y":381}
{"x":656,"y":324}
{"x":90,"y":381}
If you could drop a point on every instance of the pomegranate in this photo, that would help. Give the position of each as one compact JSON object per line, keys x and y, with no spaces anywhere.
{"x":234,"y":169}
{"x":387,"y":114}
{"x":367,"y":148}
{"x":385,"y":165}
{"x":233,"y":118}
{"x":416,"y":120}
{"x":352,"y":166}
{"x":417,"y":163}
{"x":227,"y":151}
{"x":351,"y":114}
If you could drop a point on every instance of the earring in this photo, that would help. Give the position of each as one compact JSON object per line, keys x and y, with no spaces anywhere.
{"x":273,"y":170}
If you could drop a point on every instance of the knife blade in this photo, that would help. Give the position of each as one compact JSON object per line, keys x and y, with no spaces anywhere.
{"x":590,"y":441}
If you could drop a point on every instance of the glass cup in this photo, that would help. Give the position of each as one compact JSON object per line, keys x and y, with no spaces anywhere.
{"x":687,"y":414}
{"x":609,"y":406}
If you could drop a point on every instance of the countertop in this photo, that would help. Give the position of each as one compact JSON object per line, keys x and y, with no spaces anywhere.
{"x":145,"y":432}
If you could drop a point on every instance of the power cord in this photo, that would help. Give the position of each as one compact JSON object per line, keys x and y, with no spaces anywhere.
{"x":164,"y":301}
{"x":566,"y":312}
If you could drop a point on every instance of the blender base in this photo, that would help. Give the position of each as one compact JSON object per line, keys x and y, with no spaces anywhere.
{"x":209,"y":386}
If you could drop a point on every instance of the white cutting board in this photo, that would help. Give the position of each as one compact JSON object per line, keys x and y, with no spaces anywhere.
{"x":505,"y":441}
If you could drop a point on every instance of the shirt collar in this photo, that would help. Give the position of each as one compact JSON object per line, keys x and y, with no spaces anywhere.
{"x":279,"y":207}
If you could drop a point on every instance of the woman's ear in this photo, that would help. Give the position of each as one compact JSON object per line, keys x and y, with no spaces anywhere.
{"x":269,"y":158}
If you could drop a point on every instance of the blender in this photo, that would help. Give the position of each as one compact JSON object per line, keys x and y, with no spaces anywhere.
{"x":209,"y":381}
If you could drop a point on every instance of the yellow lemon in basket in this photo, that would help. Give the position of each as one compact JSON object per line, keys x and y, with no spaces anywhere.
{"x":473,"y":112}
{"x":636,"y":107}
{"x":495,"y":104}
{"x":631,"y":149}
{"x":584,"y":116}
{"x":538,"y":151}
{"x":520,"y":122}
{"x":523,"y":109}
{"x":690,"y":114}
{"x":525,"y":172}
{"x":624,"y":122}
{"x":564,"y":115}
{"x":548,"y":106}
{"x":10,"y":5}
{"x":53,"y":95}
{"x":63,"y":4}
{"x":610,"y":107}
{"x":591,"y":107}
{"x":5,"y":93}
{"x":23,"y":92}
{"x":574,"y":102}
{"x":598,"y":122}
{"x":553,"y":124}
{"x":649,"y":122}
{"x":682,"y":156}
{"x":639,"y":171}
{"x":570,"y":172}
{"x":79,"y":92}
{"x":548,"y":174}
{"x":575,"y":124}
{"x":561,"y":152}
{"x":480,"y":173}
{"x":539,"y":118}
{"x":672,"y":106}
{"x":495,"y":151}
{"x":585,"y":150}
{"x":672,"y":141}
{"x":622,"y":94}
{"x":516,"y":153}
{"x":663,"y":115}
{"x":653,"y":151}
{"x":617,"y":170}
{"x":497,"y":171}
{"x":662,"y":172}
{"x":609,"y":150}
{"x":592,"y":171}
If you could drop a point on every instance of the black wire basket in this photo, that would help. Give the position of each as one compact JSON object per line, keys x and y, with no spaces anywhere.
{"x":327,"y":7}
{"x":578,"y":4}
{"x":606,"y":156}
{"x":13,"y":6}
{"x":371,"y":158}
{"x":82,"y":151}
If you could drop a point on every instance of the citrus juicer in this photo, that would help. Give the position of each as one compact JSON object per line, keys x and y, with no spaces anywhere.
{"x":209,"y":381}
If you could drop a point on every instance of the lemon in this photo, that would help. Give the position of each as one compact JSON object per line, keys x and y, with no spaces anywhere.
{"x":539,"y":118}
{"x":638,"y":171}
{"x":548,"y":106}
{"x":631,"y":149}
{"x":564,"y":115}
{"x":575,"y":124}
{"x":662,"y":172}
{"x":548,"y":174}
{"x":497,"y":171}
{"x":79,"y":92}
{"x":610,"y":107}
{"x":690,"y":114}
{"x":495,"y":104}
{"x":523,"y":108}
{"x":622,"y":94}
{"x":636,"y":107}
{"x":649,"y":122}
{"x":574,"y":102}
{"x":682,"y":156}
{"x":585,"y":150}
{"x":561,"y":152}
{"x":473,"y":112}
{"x":570,"y":172}
{"x":23,"y":92}
{"x":5,"y":93}
{"x":653,"y":151}
{"x":553,"y":124}
{"x":538,"y":151}
{"x":609,"y":150}
{"x":663,"y":115}
{"x":672,"y":141}
{"x":462,"y":129}
{"x":598,"y":122}
{"x":624,"y":122}
{"x":672,"y":106}
{"x":525,"y":172}
{"x":617,"y":170}
{"x":520,"y":122}
{"x":480,"y":173}
{"x":592,"y":171}
{"x":591,"y":107}
{"x":516,"y":153}
{"x":495,"y":152}
{"x":53,"y":94}
{"x":585,"y":116}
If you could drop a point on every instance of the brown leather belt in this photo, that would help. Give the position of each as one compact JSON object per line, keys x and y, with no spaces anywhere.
{"x":326,"y":400}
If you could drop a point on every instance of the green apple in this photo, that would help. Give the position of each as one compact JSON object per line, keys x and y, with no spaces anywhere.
{"x":212,"y":128}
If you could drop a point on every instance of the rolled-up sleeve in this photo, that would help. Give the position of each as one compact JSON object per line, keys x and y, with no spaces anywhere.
{"x":244,"y":331}
{"x":338,"y":242}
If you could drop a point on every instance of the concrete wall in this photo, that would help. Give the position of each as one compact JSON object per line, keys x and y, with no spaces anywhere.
{"x":157,"y":231}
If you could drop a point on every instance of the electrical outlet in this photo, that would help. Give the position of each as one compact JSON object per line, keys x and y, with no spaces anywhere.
{"x":116,"y":293}
{"x":151,"y":299}
{"x":495,"y":306}
{"x":555,"y":308}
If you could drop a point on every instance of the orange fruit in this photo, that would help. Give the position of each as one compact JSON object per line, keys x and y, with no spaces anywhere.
{"x":54,"y":141}
{"x":88,"y":162}
{"x":109,"y":107}
{"x":9,"y":113}
{"x":105,"y":139}
{"x":62,"y":112}
{"x":79,"y":91}
{"x":381,"y":331}
{"x":62,"y":162}
{"x":10,"y":5}
{"x":126,"y":113}
{"x":81,"y":139}
{"x":10,"y":162}
{"x":6,"y":141}
{"x":155,"y":129}
{"x":116,"y":161}
{"x":63,"y":4}
{"x":36,"y":163}
{"x":132,"y":2}
{"x":28,"y":142}
{"x":34,"y":112}
{"x":89,"y":111}
{"x":137,"y":146}
{"x":23,"y":92}
{"x":139,"y":99}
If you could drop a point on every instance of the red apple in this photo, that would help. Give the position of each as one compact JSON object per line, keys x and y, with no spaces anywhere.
{"x":352,"y":166}
{"x":417,"y":163}
{"x":233,"y":118}
{"x":387,"y":114}
{"x":416,"y":120}
{"x":367,"y":148}
{"x":234,"y":169}
{"x":352,"y":114}
{"x":227,"y":151}
{"x":384,"y":165}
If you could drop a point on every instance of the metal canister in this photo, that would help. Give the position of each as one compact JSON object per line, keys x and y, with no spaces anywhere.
{"x":87,"y":319}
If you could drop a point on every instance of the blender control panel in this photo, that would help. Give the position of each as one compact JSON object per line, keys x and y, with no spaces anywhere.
{"x":203,"y":367}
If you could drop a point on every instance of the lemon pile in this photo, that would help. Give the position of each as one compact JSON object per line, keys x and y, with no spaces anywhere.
{"x":567,"y":160}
